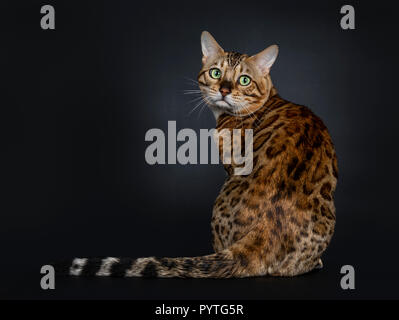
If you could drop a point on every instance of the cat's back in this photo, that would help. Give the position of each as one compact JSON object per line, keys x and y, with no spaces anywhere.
{"x":293,"y":153}
{"x":289,"y":140}
{"x":297,"y":123}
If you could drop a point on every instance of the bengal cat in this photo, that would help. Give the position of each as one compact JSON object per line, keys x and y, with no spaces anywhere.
{"x":279,"y":219}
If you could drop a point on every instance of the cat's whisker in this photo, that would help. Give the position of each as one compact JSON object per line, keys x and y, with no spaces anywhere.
{"x":192,"y":92}
{"x":251,"y":114}
{"x":245,"y":108}
{"x":195,"y":99}
{"x":200,"y":112}
{"x":191,"y":81}
{"x":206,"y":102}
{"x":197,"y":106}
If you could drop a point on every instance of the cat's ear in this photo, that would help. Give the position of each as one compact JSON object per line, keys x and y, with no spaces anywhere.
{"x":210,"y":48}
{"x":265,"y":59}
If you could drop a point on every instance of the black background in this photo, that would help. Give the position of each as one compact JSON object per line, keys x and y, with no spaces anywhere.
{"x":77,"y":101}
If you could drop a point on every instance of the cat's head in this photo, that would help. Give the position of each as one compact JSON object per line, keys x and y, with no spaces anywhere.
{"x":234,"y":83}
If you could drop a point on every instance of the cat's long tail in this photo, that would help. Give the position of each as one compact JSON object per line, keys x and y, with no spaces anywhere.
{"x":239,"y":260}
{"x":217,"y":265}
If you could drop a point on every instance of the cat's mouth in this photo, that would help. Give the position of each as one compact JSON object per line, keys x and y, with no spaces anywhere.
{"x":226,"y":106}
{"x":220,"y":102}
{"x":223,"y":104}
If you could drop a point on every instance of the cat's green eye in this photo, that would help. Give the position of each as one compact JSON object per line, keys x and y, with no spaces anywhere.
{"x":215,"y":73}
{"x":244,"y":80}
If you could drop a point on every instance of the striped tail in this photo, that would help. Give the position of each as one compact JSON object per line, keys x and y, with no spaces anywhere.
{"x":217,"y":265}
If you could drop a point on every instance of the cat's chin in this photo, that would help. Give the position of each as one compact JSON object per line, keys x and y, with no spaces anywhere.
{"x":223,"y":105}
{"x":218,"y":108}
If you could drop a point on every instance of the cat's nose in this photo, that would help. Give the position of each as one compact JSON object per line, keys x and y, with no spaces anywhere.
{"x":225,"y":88}
{"x":224,"y":91}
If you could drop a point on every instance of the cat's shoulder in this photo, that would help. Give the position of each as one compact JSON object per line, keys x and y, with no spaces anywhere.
{"x":282,"y":110}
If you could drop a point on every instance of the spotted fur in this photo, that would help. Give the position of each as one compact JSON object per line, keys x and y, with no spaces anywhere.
{"x":279,"y":219}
